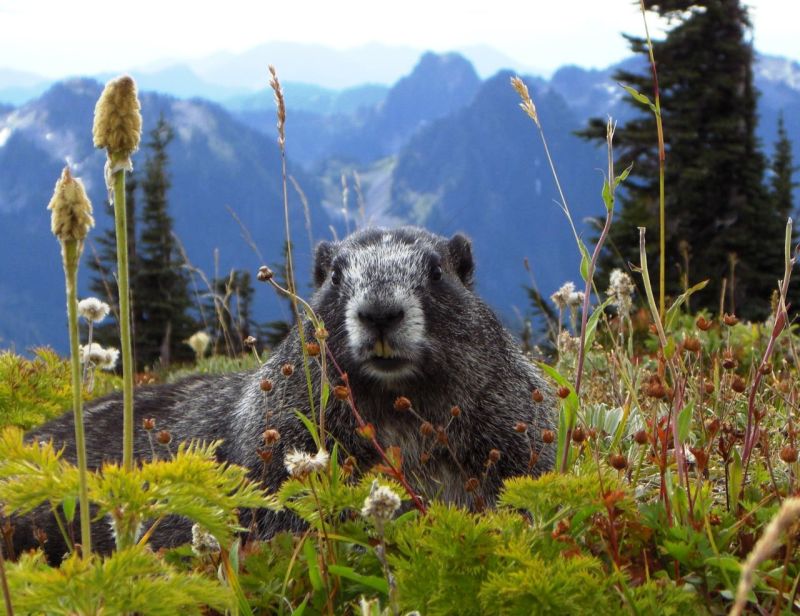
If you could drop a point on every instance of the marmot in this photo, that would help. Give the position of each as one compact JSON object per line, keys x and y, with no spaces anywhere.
{"x":403,"y":322}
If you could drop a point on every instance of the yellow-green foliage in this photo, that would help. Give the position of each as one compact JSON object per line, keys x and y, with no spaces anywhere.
{"x":35,"y":390}
{"x":215,"y":364}
{"x":130,"y":581}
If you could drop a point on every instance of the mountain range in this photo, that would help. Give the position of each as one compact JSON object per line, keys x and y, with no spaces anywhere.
{"x":442,"y":147}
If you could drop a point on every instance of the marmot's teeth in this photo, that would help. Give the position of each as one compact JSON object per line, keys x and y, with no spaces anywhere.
{"x":382,"y":349}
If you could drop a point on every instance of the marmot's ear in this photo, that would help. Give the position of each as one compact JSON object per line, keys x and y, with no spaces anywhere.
{"x":323,"y":258}
{"x":460,"y":248}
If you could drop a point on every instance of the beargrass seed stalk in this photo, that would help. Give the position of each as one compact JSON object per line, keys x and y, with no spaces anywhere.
{"x":70,"y":223}
{"x":118,"y":129}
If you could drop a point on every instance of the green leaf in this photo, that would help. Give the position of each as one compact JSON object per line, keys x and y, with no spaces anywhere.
{"x":673,"y":311}
{"x":371,"y":581}
{"x":685,"y":422}
{"x":608,"y":196}
{"x":301,"y":609}
{"x":670,"y":348}
{"x":69,"y":505}
{"x":623,"y":176}
{"x":314,"y":574}
{"x":591,"y":324}
{"x":639,"y":97}
{"x":735,"y":480}
{"x":311,"y":427}
{"x":569,"y":405}
{"x":586,"y":261}
{"x":727,"y":563}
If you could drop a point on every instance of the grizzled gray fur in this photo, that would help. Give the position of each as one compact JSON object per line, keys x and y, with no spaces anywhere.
{"x":403,"y":320}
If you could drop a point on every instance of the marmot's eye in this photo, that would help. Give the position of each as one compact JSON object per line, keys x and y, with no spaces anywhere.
{"x":436,"y":272}
{"x":336,"y":277}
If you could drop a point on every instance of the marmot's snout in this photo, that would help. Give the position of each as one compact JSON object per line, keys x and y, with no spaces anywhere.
{"x":381,"y":319}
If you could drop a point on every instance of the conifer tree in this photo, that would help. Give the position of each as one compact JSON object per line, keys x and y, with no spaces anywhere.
{"x":161,"y":289}
{"x":782,"y":182}
{"x":716,"y":201}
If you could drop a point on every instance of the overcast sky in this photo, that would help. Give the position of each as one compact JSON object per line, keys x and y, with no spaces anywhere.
{"x":59,"y":37}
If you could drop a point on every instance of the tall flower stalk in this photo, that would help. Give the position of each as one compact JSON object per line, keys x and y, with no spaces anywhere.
{"x":118,"y":129}
{"x":70,"y":222}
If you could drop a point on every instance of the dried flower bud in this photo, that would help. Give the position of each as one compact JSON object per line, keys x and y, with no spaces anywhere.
{"x":164,"y":437}
{"x":708,"y":387}
{"x":271,"y":436}
{"x":730,"y":319}
{"x":703,"y":324}
{"x":349,"y":465}
{"x":250,"y":341}
{"x":494,"y":456}
{"x":728,"y":360}
{"x":789,"y":454}
{"x":537,"y":396}
{"x":737,"y":384}
{"x":712,"y":426}
{"x":71,"y":209}
{"x":765,"y":369}
{"x":563,"y":392}
{"x":266,"y":385}
{"x":264,"y":274}
{"x":548,"y":436}
{"x":402,"y":403}
{"x":692,"y":345}
{"x":321,"y":334}
{"x":455,"y":411}
{"x":640,"y":437}
{"x":117,"y":119}
{"x":366,"y":431}
{"x":312,"y":348}
{"x":341,"y":392}
{"x":618,"y":461}
{"x":265,"y":455}
{"x":472,"y":484}
{"x":441,"y":435}
{"x":578,"y":434}
{"x":655,"y":388}
{"x":427,"y":429}
{"x":287,"y":369}
{"x":520,"y":427}
{"x":148,"y":423}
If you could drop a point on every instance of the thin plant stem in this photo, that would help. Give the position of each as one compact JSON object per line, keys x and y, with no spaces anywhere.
{"x":661,"y":164}
{"x":4,"y":585}
{"x":71,"y":252}
{"x":128,"y":369}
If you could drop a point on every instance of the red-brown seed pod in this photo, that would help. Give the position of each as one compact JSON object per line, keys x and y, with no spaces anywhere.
{"x":789,"y":454}
{"x":738,"y":385}
{"x":341,"y":392}
{"x":427,"y":429}
{"x":455,"y":411}
{"x":265,"y":385}
{"x":312,"y":348}
{"x":728,"y":360}
{"x":264,"y":274}
{"x":730,"y":319}
{"x":548,"y":436}
{"x":366,"y":431}
{"x":703,"y":324}
{"x":402,"y":403}
{"x":533,"y":460}
{"x":712,"y":426}
{"x":441,"y":435}
{"x":655,"y":388}
{"x":563,"y":392}
{"x":271,"y":436}
{"x":494,"y":456}
{"x":765,"y":368}
{"x":264,"y":454}
{"x":520,"y":427}
{"x":287,"y":369}
{"x":472,"y":484}
{"x":537,"y":396}
{"x":578,"y":434}
{"x":708,"y":387}
{"x":618,"y":461}
{"x":640,"y":437}
{"x":164,"y":437}
{"x":692,"y":345}
{"x":148,"y":423}
{"x":424,"y":457}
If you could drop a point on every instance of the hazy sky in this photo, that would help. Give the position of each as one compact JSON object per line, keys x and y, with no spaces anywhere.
{"x":58,"y":37}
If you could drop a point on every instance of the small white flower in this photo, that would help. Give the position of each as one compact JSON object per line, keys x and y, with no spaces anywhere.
{"x":203,"y":542}
{"x":199,"y":342}
{"x":92,"y":309}
{"x":105,"y":359}
{"x":561,"y":297}
{"x":621,"y":288}
{"x":381,"y":503}
{"x":110,"y":359}
{"x":301,"y":464}
{"x":575,"y":299}
{"x":567,"y":343}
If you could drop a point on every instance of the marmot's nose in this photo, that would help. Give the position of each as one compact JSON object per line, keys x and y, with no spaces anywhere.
{"x":381,"y":319}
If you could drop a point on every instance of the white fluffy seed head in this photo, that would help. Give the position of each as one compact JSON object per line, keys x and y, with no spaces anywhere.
{"x":381,"y":504}
{"x":92,"y":309}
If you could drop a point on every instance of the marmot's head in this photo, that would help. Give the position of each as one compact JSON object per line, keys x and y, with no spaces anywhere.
{"x":391,"y":300}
